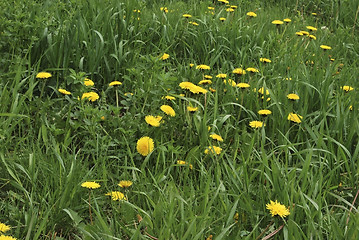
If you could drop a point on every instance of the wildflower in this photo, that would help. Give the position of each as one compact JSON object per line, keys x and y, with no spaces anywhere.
{"x":153,"y":121}
{"x":4,"y":237}
{"x":256,"y":124}
{"x":90,"y":185}
{"x":239,"y":71}
{"x":210,"y":8}
{"x":276,"y":208}
{"x":351,"y":107}
{"x":277,"y":22}
{"x":164,"y":56}
{"x":145,"y":145}
{"x":305,"y":33}
{"x":287,"y":20}
{"x":125,"y":183}
{"x":312,"y":37}
{"x":216,"y":137}
{"x":168,"y":110}
{"x":261,"y":91}
{"x":4,"y":228}
{"x":193,"y":23}
{"x":230,"y":10}
{"x":115,"y":83}
{"x":230,"y":82}
{"x":180,"y":162}
{"x":288,"y":79}
{"x":314,"y":14}
{"x":347,"y":88}
{"x":169,"y":98}
{"x":192,"y":87}
{"x":186,"y":15}
{"x":128,"y":94}
{"x":295,"y":117}
{"x":63,"y":91}
{"x":310,"y":28}
{"x":116,"y":195}
{"x":88,"y":82}
{"x":234,"y":6}
{"x":43,"y":75}
{"x":191,"y":65}
{"x":103,"y":118}
{"x":208,"y":76}
{"x":164,"y":9}
{"x":264,"y":112}
{"x":251,"y":14}
{"x":205,"y":81}
{"x":243,"y":85}
{"x":91,"y":96}
{"x":221,"y":75}
{"x":222,"y":19}
{"x":265,"y":60}
{"x":224,"y":1}
{"x":192,"y":109}
{"x":212,"y":90}
{"x":213,"y":150}
{"x":325,"y":47}
{"x":299,"y":33}
{"x":253,"y":70}
{"x":293,"y":96}
{"x":203,"y":67}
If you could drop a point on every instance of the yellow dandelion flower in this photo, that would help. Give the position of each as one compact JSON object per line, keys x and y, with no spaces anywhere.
{"x":88,"y":82}
{"x":4,"y":237}
{"x":181,"y":162}
{"x":325,"y":47}
{"x":208,"y":76}
{"x":216,"y":137}
{"x":234,"y":6}
{"x":212,"y":90}
{"x":275,"y":208}
{"x":230,"y":10}
{"x":187,"y":15}
{"x":239,"y":71}
{"x":251,"y":14}
{"x":221,"y":75}
{"x":192,"y":109}
{"x":295,"y":117}
{"x":145,"y":146}
{"x":4,"y":228}
{"x":116,"y":195}
{"x":91,"y":96}
{"x":164,"y":56}
{"x":243,"y":85}
{"x":168,"y":110}
{"x":115,"y":83}
{"x":203,"y":67}
{"x":43,"y":75}
{"x":310,"y":28}
{"x":264,"y":112}
{"x":128,"y":94}
{"x":210,"y":8}
{"x":205,"y":81}
{"x":314,"y":14}
{"x":265,"y":60}
{"x":63,"y":91}
{"x":305,"y":33}
{"x":261,"y":91}
{"x":312,"y":37}
{"x":164,"y":9}
{"x":287,"y":20}
{"x":256,"y":124}
{"x":125,"y":183}
{"x":193,"y":23}
{"x":253,"y":70}
{"x":293,"y":96}
{"x":277,"y":22}
{"x":299,"y":33}
{"x":222,"y":19}
{"x":90,"y":185}
{"x":169,"y":97}
{"x":347,"y":88}
{"x":191,"y":65}
{"x":213,"y":150}
{"x":153,"y":121}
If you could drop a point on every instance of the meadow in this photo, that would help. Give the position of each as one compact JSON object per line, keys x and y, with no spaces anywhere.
{"x":197,"y":119}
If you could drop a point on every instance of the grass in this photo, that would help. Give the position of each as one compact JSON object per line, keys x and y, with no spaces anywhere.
{"x":51,"y":143}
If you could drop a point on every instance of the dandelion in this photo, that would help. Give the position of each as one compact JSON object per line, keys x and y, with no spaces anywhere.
{"x":216,"y":137}
{"x":128,"y":94}
{"x":191,"y":65}
{"x":230,"y":82}
{"x":4,"y":228}
{"x":310,"y":28}
{"x":347,"y":88}
{"x":230,"y":10}
{"x":223,"y":1}
{"x":63,"y":91}
{"x":295,"y":117}
{"x":222,"y":19}
{"x":43,"y":75}
{"x":125,"y":183}
{"x":314,"y":14}
{"x":164,"y":56}
{"x":116,"y":196}
{"x":213,"y":150}
{"x":203,"y":67}
{"x":288,"y":79}
{"x":153,"y":121}
{"x":293,"y":96}
{"x":256,"y":124}
{"x":115,"y":83}
{"x":164,"y":9}
{"x":186,"y":15}
{"x":192,"y":87}
{"x":4,"y":237}
{"x":181,"y":162}
{"x":275,"y":208}
{"x":211,"y":8}
{"x":287,"y":20}
{"x":325,"y":47}
{"x":221,"y":75}
{"x":208,"y":76}
{"x":305,"y":33}
{"x":277,"y":22}
{"x":192,"y":109}
{"x":251,"y":14}
{"x":169,"y":97}
{"x":239,"y":71}
{"x":234,"y":6}
{"x":253,"y":70}
{"x":261,"y":91}
{"x":145,"y":146}
{"x":243,"y":85}
{"x":193,"y":23}
{"x":168,"y":110}
{"x":90,"y":185}
{"x":103,"y":118}
{"x":91,"y":96}
{"x":265,"y":60}
{"x":299,"y":33}
{"x":205,"y":81}
{"x":264,"y":112}
{"x":312,"y":37}
{"x":88,"y":82}
{"x":212,"y":90}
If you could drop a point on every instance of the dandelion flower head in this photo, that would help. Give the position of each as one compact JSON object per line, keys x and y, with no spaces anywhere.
{"x":251,"y":14}
{"x":153,"y":121}
{"x":116,"y":195}
{"x":43,"y":75}
{"x":213,"y":150}
{"x":239,"y":71}
{"x":243,"y":85}
{"x":192,"y":109}
{"x":88,"y":82}
{"x":347,"y":88}
{"x":125,"y":183}
{"x":253,"y":70}
{"x":277,"y":22}
{"x":186,"y":15}
{"x":293,"y":96}
{"x":4,"y":228}
{"x":264,"y":112}
{"x":265,"y":60}
{"x":168,"y":110}
{"x":145,"y":146}
{"x":203,"y":67}
{"x":275,"y":208}
{"x":91,"y":96}
{"x":216,"y":137}
{"x":90,"y":185}
{"x":164,"y":56}
{"x":256,"y":124}
{"x":295,"y":117}
{"x":325,"y":47}
{"x":4,"y":237}
{"x":63,"y":91}
{"x":115,"y":83}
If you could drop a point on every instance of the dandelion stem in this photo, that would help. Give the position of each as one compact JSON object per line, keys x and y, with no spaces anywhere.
{"x":90,"y":207}
{"x":116,"y":98}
